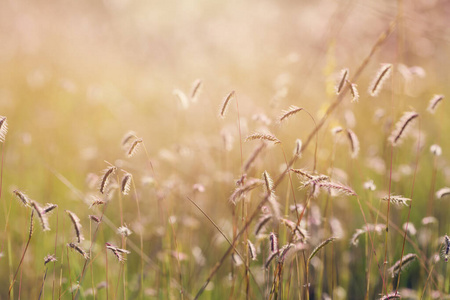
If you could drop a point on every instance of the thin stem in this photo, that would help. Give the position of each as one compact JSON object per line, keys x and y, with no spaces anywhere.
{"x":23,"y":256}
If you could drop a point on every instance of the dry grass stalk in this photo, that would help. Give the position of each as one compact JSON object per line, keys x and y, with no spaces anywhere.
{"x":402,"y":127}
{"x":253,"y":156}
{"x":383,"y":73}
{"x":263,"y":136}
{"x":126,"y":183}
{"x":30,"y":231}
{"x":41,"y":215}
{"x":354,"y":143}
{"x":290,"y":112}
{"x":79,"y":250}
{"x":402,"y":263}
{"x":105,"y":179}
{"x":76,"y":225}
{"x":225,"y":103}
{"x":276,"y":210}
{"x":434,"y":103}
{"x":3,"y":128}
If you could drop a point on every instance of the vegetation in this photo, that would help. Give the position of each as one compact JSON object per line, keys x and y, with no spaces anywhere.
{"x":235,"y":150}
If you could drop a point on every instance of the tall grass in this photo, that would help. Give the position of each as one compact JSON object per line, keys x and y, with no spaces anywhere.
{"x":323,"y":174}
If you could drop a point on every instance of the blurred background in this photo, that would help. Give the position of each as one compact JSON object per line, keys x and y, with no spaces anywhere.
{"x":75,"y":76}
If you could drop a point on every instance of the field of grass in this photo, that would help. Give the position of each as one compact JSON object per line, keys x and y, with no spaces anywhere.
{"x":224,"y":149}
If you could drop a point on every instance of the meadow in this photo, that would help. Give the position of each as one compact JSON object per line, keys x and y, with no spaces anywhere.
{"x":224,"y":150}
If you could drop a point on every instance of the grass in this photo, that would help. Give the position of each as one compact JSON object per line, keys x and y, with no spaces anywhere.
{"x":249,"y":150}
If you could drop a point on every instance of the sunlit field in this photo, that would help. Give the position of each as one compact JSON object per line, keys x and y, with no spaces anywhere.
{"x":224,"y":149}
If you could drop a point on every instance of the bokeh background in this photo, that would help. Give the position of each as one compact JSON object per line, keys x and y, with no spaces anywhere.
{"x":75,"y":76}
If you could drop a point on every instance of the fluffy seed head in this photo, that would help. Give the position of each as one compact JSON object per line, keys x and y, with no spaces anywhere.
{"x":49,"y":207}
{"x":124,"y":231}
{"x":79,"y":250}
{"x":354,"y":143}
{"x":118,"y":253}
{"x":369,"y":185}
{"x":40,"y":214}
{"x":225,"y":103}
{"x":402,"y":263}
{"x":3,"y":128}
{"x":196,"y":88}
{"x":434,"y":103}
{"x":268,"y":182}
{"x":391,"y":296}
{"x":396,"y":199}
{"x":343,"y":79}
{"x":261,"y":223}
{"x":383,"y":73}
{"x":290,"y":112}
{"x":95,"y":218}
{"x":22,"y":197}
{"x":443,"y":192}
{"x":105,"y":179}
{"x":436,"y":150}
{"x":128,"y":138}
{"x":134,"y":147}
{"x":182,"y":98}
{"x":273,"y":242}
{"x":126,"y":183}
{"x":320,"y":246}
{"x":353,"y":91}
{"x":402,"y":127}
{"x":446,"y":248}
{"x":76,"y":225}
{"x":298,"y":148}
{"x":251,"y":250}
{"x":263,"y":137}
{"x":49,"y":258}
